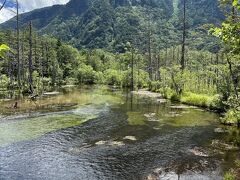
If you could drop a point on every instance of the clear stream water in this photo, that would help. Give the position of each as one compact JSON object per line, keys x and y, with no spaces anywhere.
{"x":102,"y":133}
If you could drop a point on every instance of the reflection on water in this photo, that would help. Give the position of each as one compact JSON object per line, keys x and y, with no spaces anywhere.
{"x":68,"y":99}
{"x":102,"y":133}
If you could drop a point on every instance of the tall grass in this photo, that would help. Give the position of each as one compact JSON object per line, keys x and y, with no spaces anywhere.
{"x":201,"y":100}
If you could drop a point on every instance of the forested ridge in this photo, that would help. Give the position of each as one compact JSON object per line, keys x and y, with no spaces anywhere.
{"x":110,"y":24}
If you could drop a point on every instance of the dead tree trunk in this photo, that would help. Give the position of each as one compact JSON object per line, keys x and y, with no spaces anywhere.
{"x":18,"y":50}
{"x":183,"y":36}
{"x":30,"y":68}
{"x":234,"y":79}
{"x":132,"y":72}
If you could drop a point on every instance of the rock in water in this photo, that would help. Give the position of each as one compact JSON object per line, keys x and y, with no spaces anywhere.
{"x":198,"y":152}
{"x":219,"y":130}
{"x":131,"y":138}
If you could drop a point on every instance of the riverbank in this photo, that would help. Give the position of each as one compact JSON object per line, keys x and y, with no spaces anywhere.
{"x":214,"y":103}
{"x":198,"y":100}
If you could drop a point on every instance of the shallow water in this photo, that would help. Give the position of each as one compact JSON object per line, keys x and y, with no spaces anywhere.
{"x":104,"y":133}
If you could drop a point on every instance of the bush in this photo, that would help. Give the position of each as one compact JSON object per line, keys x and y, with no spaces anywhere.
{"x":216,"y":103}
{"x":113,"y":77}
{"x":85,"y":74}
{"x":232,"y":116}
{"x":46,"y":82}
{"x":4,"y":81}
{"x":37,"y":81}
{"x":168,"y":93}
{"x":70,"y":81}
{"x":141,"y":79}
{"x":154,"y":86}
{"x":99,"y":78}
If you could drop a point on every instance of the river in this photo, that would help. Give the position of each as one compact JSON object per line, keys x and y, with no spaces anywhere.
{"x":104,"y":133}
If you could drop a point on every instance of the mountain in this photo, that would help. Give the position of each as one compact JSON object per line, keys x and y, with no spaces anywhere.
{"x":110,"y":24}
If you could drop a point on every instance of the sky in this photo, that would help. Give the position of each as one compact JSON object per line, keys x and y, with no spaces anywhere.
{"x":25,"y":6}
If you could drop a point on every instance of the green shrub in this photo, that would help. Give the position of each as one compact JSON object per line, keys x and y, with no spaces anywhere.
{"x":168,"y":93}
{"x":113,"y":77}
{"x":216,"y":103}
{"x":46,"y":82}
{"x":229,"y":176}
{"x":232,"y":116}
{"x":71,"y":81}
{"x":141,"y":79}
{"x":85,"y":74}
{"x":154,"y":86}
{"x":99,"y":78}
{"x":4,"y":81}
{"x":37,"y":81}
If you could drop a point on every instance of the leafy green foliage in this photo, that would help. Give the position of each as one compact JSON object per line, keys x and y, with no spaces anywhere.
{"x":229,"y":34}
{"x":85,"y":74}
{"x":3,"y":49}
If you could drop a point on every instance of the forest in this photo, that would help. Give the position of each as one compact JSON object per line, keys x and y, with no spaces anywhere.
{"x":207,"y":78}
{"x":188,"y":60}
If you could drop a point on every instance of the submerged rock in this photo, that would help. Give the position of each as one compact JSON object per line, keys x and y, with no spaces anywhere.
{"x":198,"y":152}
{"x":68,"y":86}
{"x":161,"y":101}
{"x":155,"y":175}
{"x":101,"y":142}
{"x":219,"y":130}
{"x":147,"y":93}
{"x":154,"y":120}
{"x":150,"y":115}
{"x":173,"y":114}
{"x":77,"y":150}
{"x":182,"y":107}
{"x":132,"y":138}
{"x":116,"y":143}
{"x":51,"y":93}
{"x":162,"y":174}
{"x":110,"y":143}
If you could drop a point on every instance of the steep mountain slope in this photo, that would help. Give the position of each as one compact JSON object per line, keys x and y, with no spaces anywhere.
{"x":111,"y":23}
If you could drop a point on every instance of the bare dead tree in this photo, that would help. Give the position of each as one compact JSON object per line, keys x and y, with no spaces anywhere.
{"x":183,"y":36}
{"x":18,"y":49}
{"x":30,"y":67}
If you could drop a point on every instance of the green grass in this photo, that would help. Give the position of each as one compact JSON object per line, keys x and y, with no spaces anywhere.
{"x":189,"y":98}
{"x":201,"y":100}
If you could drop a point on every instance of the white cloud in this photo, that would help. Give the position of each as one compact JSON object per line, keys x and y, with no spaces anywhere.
{"x":6,"y":14}
{"x":28,"y":5}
